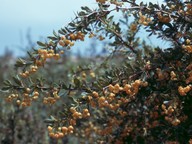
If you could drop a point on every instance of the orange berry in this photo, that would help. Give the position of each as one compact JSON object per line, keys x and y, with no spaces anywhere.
{"x":49,"y":128}
{"x":111,"y":87}
{"x":72,"y":122}
{"x":61,"y":43}
{"x":163,"y":107}
{"x":72,"y":109}
{"x":71,"y":44}
{"x":63,"y":37}
{"x":101,"y":99}
{"x":88,"y":115}
{"x":101,"y":38}
{"x":72,"y":36}
{"x":85,"y":110}
{"x":133,"y":27}
{"x":64,"y":129}
{"x":61,"y":52}
{"x":95,"y":94}
{"x":67,"y":42}
{"x":187,"y":89}
{"x":51,"y":134}
{"x":176,"y":122}
{"x":36,"y":93}
{"x":35,"y":97}
{"x":56,"y":136}
{"x":28,"y":90}
{"x":91,"y":35}
{"x":18,"y":102}
{"x":60,"y":135}
{"x":70,"y":128}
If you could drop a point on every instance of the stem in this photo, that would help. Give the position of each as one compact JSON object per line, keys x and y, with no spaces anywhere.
{"x":119,"y":37}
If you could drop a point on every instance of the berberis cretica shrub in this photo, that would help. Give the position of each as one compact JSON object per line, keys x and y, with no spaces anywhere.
{"x":136,"y":94}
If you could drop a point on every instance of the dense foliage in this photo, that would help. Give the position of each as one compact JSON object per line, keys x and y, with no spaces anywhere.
{"x":132,"y":94}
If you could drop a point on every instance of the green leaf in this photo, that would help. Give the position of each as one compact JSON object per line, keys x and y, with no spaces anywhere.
{"x":141,"y":4}
{"x":77,"y":82}
{"x":53,"y":118}
{"x":64,"y":86}
{"x":97,"y":85}
{"x":86,"y":9}
{"x":64,"y":31}
{"x":61,"y":32}
{"x":122,"y":21}
{"x":6,"y":88}
{"x":41,"y":44}
{"x":72,"y":99}
{"x":30,"y":55}
{"x":55,"y":34}
{"x":17,"y":80}
{"x":49,"y":121}
{"x":82,"y":13}
{"x":52,"y":38}
{"x":7,"y":83}
{"x":67,"y":30}
{"x":71,"y":24}
{"x":20,"y":63}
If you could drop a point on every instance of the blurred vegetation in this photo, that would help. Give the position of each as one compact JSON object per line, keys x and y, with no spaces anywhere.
{"x":130,"y":92}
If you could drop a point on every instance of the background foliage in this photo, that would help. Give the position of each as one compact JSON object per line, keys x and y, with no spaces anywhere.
{"x":129,"y":93}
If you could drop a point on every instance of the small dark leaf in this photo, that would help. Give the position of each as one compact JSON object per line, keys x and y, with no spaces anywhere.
{"x":52,"y":38}
{"x":88,"y":29}
{"x":7,"y":83}
{"x":20,"y":63}
{"x":61,"y":32}
{"x":141,"y":4}
{"x":86,"y":9}
{"x":64,"y":86}
{"x":67,"y":30}
{"x":72,"y":99}
{"x":122,"y":21}
{"x":82,"y":13}
{"x":55,"y":34}
{"x":30,"y":55}
{"x":49,"y":121}
{"x":97,"y":85}
{"x":53,"y":118}
{"x":71,"y":24}
{"x":76,"y":82}
{"x":6,"y":88}
{"x":150,"y":34}
{"x":17,"y":80}
{"x":41,"y":44}
{"x":110,"y":18}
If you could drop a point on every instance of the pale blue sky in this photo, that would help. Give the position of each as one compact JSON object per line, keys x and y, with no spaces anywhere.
{"x":41,"y":16}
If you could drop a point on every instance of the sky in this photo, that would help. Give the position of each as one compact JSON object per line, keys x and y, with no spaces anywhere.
{"x":38,"y":18}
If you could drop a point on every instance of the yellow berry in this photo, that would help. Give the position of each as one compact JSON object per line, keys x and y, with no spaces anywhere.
{"x":49,"y":128}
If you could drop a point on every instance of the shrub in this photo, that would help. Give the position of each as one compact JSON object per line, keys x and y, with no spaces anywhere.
{"x":136,"y":94}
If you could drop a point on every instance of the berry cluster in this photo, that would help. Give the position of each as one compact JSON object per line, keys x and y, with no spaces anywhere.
{"x":60,"y":132}
{"x":143,"y":19}
{"x":170,"y":115}
{"x":133,"y":27}
{"x":51,"y":97}
{"x":163,"y":19}
{"x":188,"y":9}
{"x":28,"y":72}
{"x":67,"y":40}
{"x":24,"y":99}
{"x":188,"y":48}
{"x":184,"y":90}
